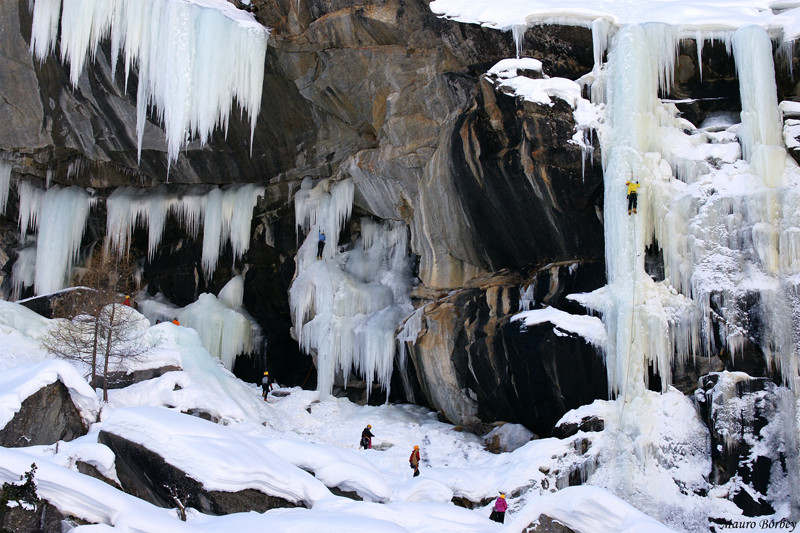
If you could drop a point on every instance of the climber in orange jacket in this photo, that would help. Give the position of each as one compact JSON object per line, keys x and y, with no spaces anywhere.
{"x":413,"y":461}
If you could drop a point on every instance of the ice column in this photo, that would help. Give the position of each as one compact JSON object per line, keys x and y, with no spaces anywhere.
{"x":193,"y":58}
{"x":638,"y":313}
{"x":5,"y":183}
{"x":761,"y":133}
{"x":347,"y":306}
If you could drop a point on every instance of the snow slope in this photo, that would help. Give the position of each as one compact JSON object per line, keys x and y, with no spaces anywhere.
{"x":272,"y":446}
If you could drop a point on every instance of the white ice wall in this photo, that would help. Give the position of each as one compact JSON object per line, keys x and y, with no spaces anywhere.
{"x":722,"y":204}
{"x":59,"y":216}
{"x":347,"y":306}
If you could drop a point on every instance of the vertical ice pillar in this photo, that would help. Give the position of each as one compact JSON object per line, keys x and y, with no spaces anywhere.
{"x":761,"y":134}
{"x":641,"y":61}
{"x":5,"y":183}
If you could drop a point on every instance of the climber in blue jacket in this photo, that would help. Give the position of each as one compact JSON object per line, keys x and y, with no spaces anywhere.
{"x":320,"y":244}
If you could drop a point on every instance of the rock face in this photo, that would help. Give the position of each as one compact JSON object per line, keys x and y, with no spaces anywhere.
{"x":45,"y":417}
{"x":146,"y":475}
{"x":471,"y":362}
{"x":44,"y":519}
{"x":380,"y":91}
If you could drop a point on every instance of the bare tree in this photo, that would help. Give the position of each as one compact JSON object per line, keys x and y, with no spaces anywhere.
{"x":94,"y":327}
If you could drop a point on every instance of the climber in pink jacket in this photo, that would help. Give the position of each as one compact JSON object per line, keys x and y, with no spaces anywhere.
{"x":500,"y":507}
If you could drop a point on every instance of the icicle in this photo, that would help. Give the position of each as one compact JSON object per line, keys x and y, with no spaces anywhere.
{"x":30,"y":202}
{"x":228,"y":216}
{"x":44,"y":28}
{"x":23,"y":271}
{"x":193,"y":58}
{"x":245,"y":198}
{"x":518,"y":32}
{"x":786,"y":52}
{"x":699,"y":42}
{"x":527,"y":297}
{"x":225,"y":214}
{"x":5,"y":183}
{"x":600,"y":33}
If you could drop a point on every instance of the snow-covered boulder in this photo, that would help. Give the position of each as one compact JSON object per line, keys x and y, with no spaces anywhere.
{"x":162,"y":455}
{"x":44,"y":403}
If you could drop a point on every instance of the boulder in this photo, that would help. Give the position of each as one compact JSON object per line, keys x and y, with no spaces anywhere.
{"x":45,"y":417}
{"x":120,"y":380}
{"x":587,"y":424}
{"x":146,"y":475}
{"x":545,"y":524}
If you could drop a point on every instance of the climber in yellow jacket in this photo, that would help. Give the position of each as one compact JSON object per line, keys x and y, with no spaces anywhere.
{"x":632,"y":188}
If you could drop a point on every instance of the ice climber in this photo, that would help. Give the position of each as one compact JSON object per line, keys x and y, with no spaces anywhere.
{"x":320,"y":244}
{"x":175,"y":321}
{"x":413,"y":461}
{"x":266,"y":385}
{"x":366,"y":438}
{"x":127,"y":300}
{"x":632,"y":195}
{"x":500,"y":507}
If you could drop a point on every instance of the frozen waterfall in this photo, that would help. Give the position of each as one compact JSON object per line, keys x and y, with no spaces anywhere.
{"x":59,"y":216}
{"x":347,"y":306}
{"x":193,"y":57}
{"x":723,"y":203}
{"x":225,"y":329}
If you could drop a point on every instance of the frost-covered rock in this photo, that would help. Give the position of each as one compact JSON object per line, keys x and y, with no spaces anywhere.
{"x":45,"y":402}
{"x":161,"y":456}
{"x":753,"y":441}
{"x":45,"y":417}
{"x":507,"y":437}
{"x":148,"y":476}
